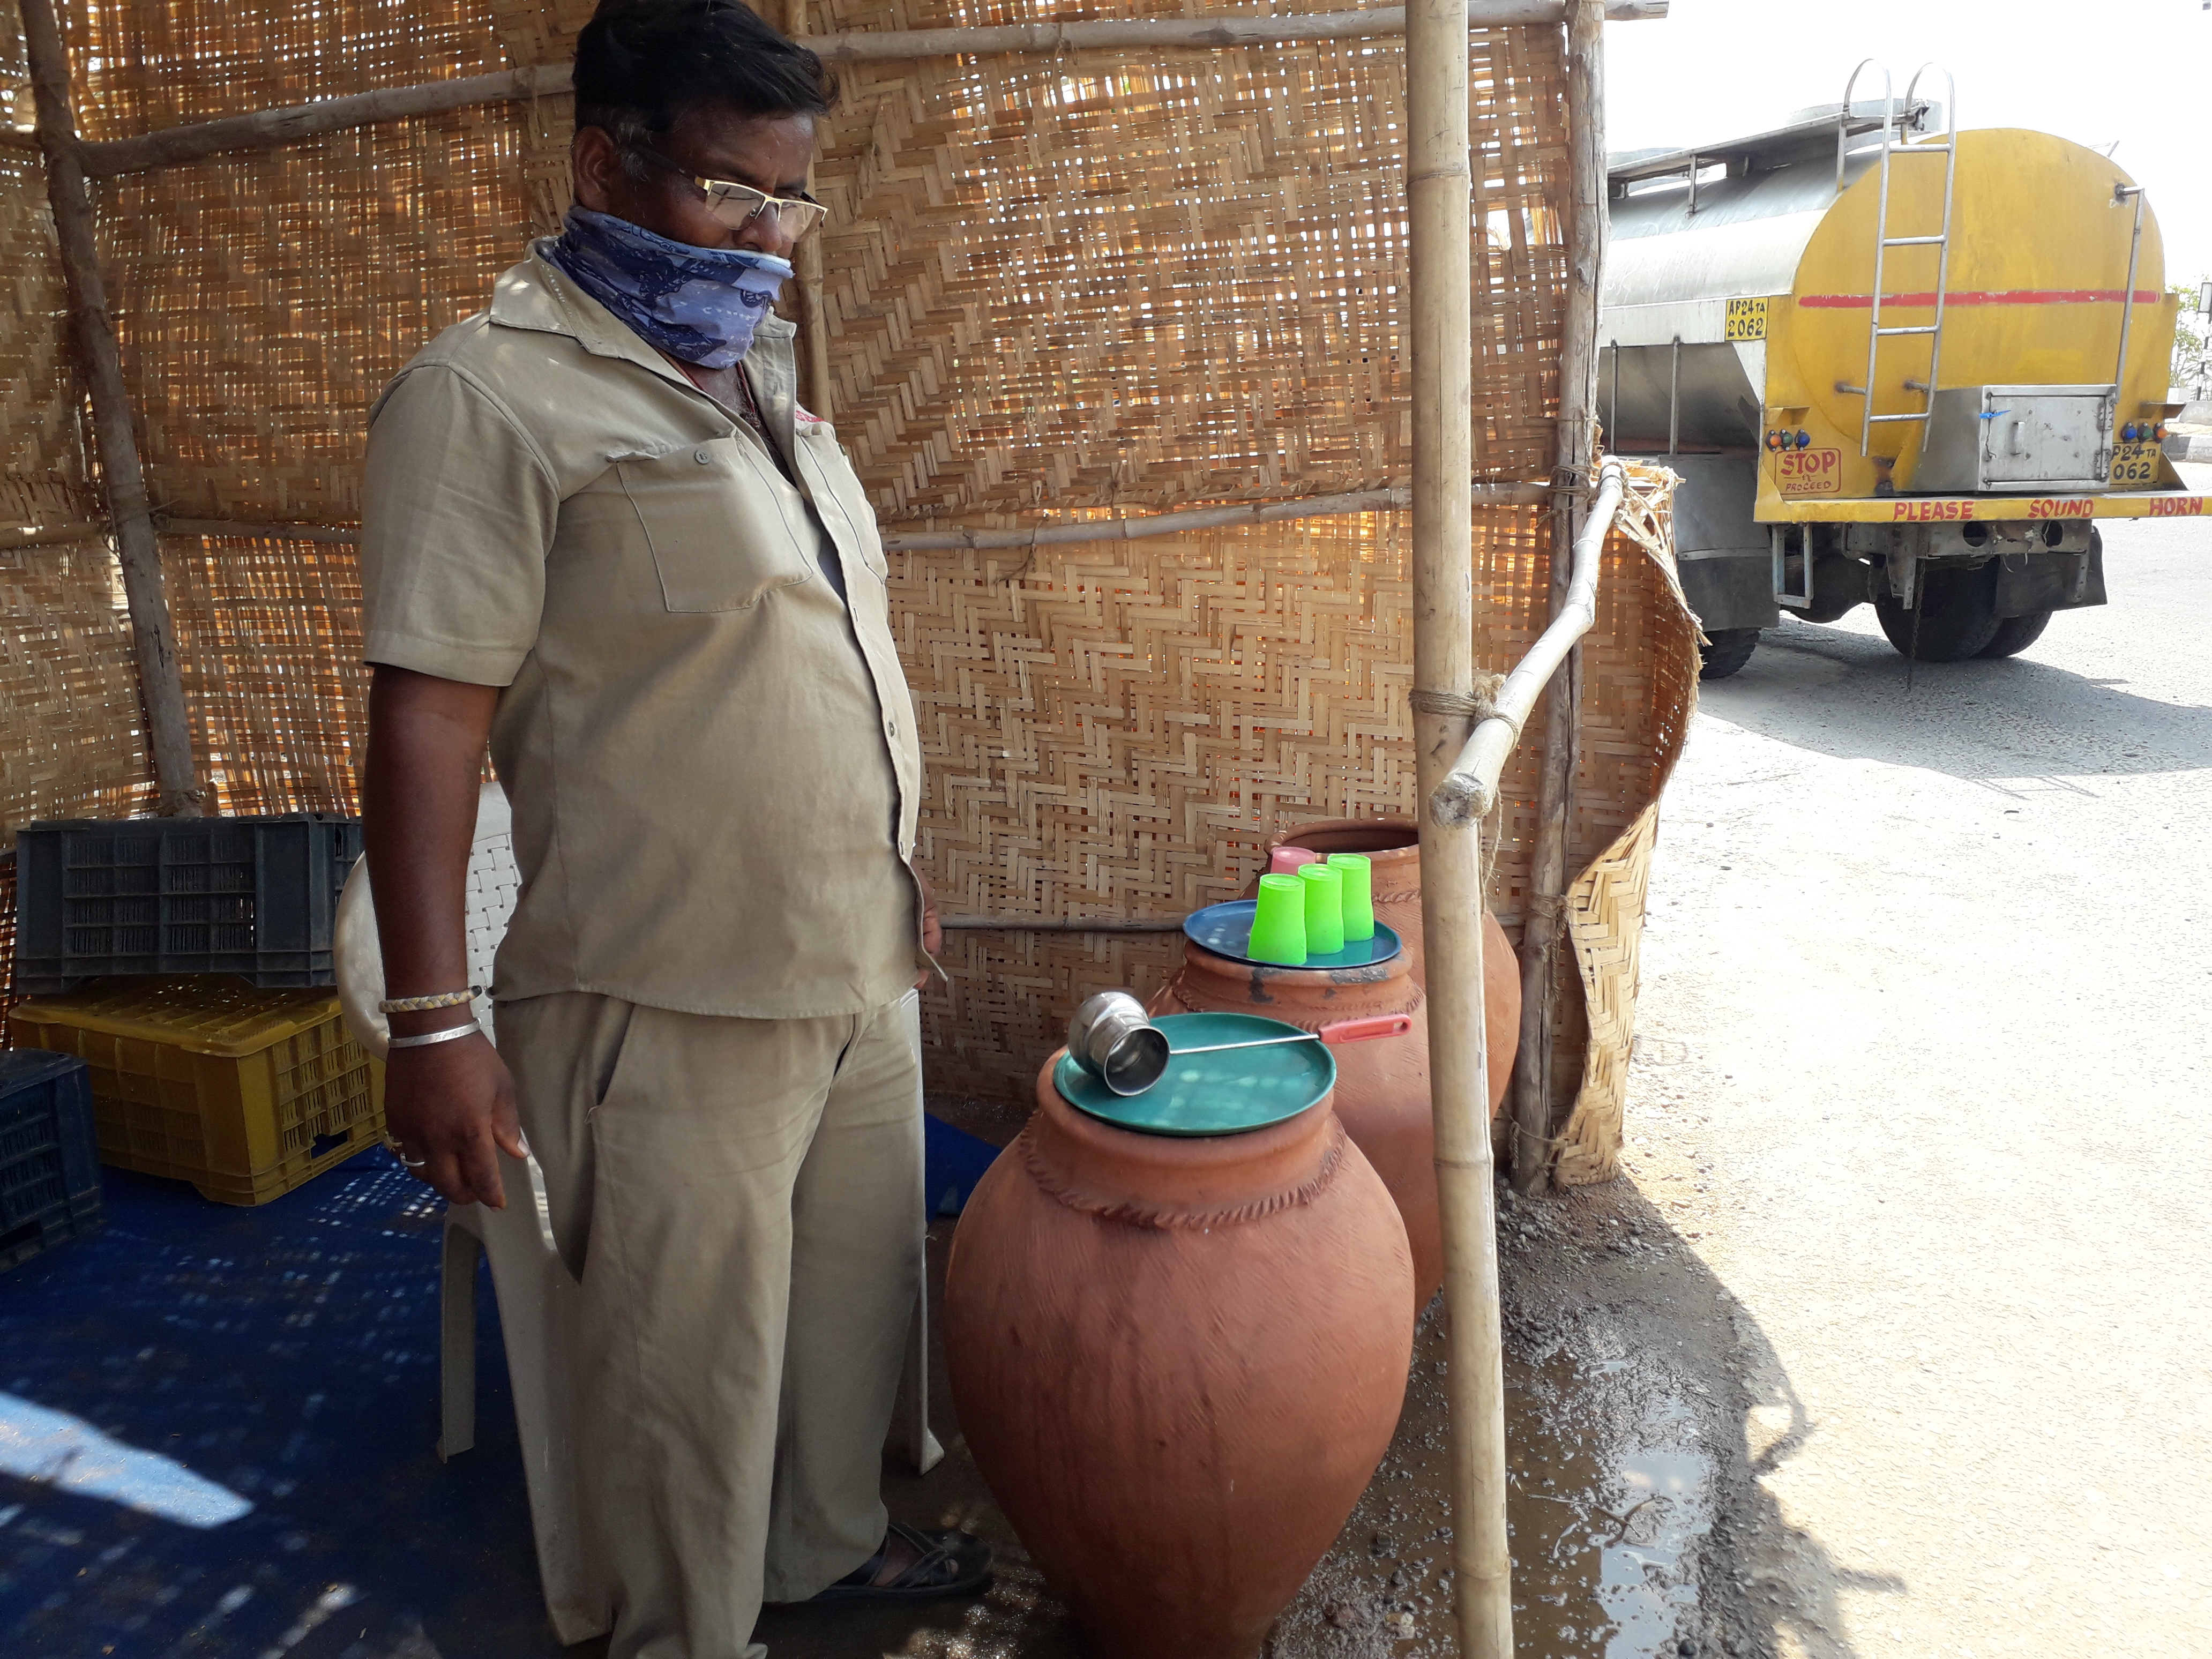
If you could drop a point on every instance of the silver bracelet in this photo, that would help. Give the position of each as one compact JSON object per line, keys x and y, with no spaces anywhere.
{"x":430,"y":1037}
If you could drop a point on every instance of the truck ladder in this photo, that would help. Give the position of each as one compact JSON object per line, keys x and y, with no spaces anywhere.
{"x":1894,"y":143}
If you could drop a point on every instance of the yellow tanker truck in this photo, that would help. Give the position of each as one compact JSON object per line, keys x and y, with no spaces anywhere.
{"x":1894,"y":363}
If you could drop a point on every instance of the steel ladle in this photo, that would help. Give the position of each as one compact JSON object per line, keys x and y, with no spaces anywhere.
{"x":1112,"y":1038}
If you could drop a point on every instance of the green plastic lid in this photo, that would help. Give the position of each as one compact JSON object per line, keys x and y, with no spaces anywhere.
{"x":1216,"y":1094}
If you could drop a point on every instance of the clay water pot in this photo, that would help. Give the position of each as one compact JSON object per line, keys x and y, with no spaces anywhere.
{"x":1382,"y":1086}
{"x":1392,"y":847}
{"x":1178,"y":1361}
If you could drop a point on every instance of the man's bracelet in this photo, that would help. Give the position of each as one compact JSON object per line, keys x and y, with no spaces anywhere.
{"x":424,"y":1005}
{"x":430,"y":1037}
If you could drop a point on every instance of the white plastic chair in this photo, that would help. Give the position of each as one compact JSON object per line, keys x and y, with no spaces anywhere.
{"x":537,"y":1299}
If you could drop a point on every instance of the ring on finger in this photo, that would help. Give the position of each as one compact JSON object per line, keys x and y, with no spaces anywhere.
{"x":400,"y":1152}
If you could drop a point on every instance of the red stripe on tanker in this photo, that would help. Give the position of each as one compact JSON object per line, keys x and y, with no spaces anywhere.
{"x":2012,"y":296}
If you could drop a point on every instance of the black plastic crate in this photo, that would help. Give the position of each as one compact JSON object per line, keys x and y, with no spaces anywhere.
{"x":253,"y":897}
{"x":49,"y":1154}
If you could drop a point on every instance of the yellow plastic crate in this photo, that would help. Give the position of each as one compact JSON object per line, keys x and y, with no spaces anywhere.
{"x":245,"y":1093}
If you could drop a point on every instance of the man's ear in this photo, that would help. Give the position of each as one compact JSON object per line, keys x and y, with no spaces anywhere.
{"x":596,"y":161}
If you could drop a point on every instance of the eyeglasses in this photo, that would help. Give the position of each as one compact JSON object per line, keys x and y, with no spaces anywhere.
{"x":738,"y":205}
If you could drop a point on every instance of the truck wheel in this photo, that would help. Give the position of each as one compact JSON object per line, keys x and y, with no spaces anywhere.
{"x":2016,"y":634}
{"x":1730,"y":650}
{"x":1958,"y":615}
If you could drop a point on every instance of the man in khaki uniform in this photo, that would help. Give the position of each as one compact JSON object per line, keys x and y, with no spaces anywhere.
{"x":599,"y":532}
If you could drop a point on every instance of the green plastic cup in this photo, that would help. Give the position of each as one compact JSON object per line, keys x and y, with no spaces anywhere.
{"x":1278,"y":926}
{"x":1358,"y":873}
{"x":1324,"y":908}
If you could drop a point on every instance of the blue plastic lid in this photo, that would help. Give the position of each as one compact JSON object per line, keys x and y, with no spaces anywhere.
{"x":1217,"y":1094}
{"x":1226,"y":930}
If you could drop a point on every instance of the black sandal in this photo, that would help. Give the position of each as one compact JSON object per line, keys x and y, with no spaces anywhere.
{"x":945,"y":1564}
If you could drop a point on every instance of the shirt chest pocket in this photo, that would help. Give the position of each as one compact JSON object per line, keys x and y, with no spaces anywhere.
{"x":724,"y":528}
{"x":838,"y":493}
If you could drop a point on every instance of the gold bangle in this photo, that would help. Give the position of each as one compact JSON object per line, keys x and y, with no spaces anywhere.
{"x":425,"y":1004}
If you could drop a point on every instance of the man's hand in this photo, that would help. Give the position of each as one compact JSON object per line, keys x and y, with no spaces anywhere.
{"x":448,"y":1105}
{"x":933,"y":930}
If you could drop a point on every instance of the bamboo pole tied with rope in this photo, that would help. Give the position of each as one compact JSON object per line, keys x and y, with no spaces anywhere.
{"x":1439,"y":182}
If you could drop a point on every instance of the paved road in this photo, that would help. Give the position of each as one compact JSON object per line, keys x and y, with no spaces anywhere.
{"x":1926,"y":1080}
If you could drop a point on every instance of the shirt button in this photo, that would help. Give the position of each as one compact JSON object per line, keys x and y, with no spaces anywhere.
{"x":891,"y":727}
{"x":702,"y":457}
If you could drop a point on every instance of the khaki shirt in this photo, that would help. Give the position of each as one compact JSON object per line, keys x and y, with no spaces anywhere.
{"x":712,"y":759}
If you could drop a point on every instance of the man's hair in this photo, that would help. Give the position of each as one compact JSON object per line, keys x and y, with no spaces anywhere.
{"x":642,"y":65}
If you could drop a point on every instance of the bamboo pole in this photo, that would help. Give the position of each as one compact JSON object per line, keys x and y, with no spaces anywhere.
{"x":1202,"y":518}
{"x":153,"y":636}
{"x":1007,"y":924}
{"x":1547,"y":873}
{"x":1439,"y":183}
{"x":266,"y":129}
{"x":814,"y":328}
{"x":1466,"y":795}
{"x":926,"y":541}
{"x":806,"y":261}
{"x":336,"y":535}
{"x":51,"y":535}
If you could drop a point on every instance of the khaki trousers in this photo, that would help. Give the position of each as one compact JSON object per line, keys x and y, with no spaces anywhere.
{"x":741,"y":1201}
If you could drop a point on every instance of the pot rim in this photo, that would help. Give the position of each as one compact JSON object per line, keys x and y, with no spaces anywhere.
{"x":1344,"y":830}
{"x":1177,"y":1181}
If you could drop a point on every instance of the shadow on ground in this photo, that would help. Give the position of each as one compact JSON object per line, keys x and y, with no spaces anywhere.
{"x":1844,"y":693}
{"x":1664,"y":1372}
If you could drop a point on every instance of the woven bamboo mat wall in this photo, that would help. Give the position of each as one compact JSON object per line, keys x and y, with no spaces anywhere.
{"x":1640,"y":689}
{"x":1085,"y":280}
{"x":267,"y":299}
{"x":69,"y":740}
{"x":42,"y":454}
{"x":140,"y":65}
{"x":39,"y":441}
{"x":1124,"y":730}
{"x":69,"y":695}
{"x":1111,"y":279}
{"x":1100,"y":282}
{"x":269,"y":635}
{"x":263,"y":300}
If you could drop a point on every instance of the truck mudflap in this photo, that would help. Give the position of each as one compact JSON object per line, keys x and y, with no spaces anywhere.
{"x":1721,"y":553}
{"x":1729,"y":588}
{"x":2031,"y":582}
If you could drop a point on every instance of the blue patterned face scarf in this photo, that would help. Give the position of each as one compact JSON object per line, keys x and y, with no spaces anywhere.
{"x":697,"y":303}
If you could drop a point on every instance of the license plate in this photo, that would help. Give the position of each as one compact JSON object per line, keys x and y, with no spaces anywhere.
{"x":2135,"y":464}
{"x":1746,"y":319}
